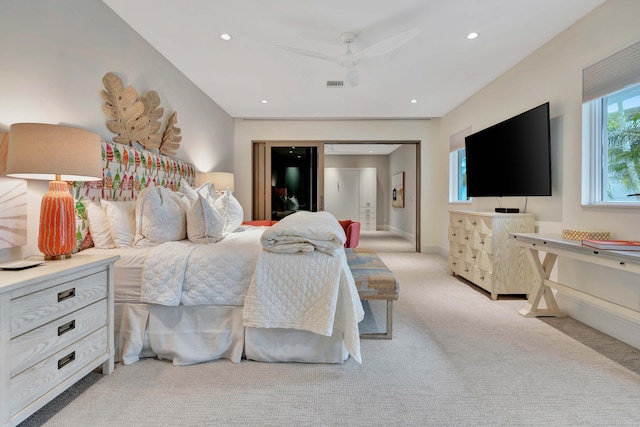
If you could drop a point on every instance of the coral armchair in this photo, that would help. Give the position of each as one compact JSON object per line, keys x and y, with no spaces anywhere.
{"x":352,"y":230}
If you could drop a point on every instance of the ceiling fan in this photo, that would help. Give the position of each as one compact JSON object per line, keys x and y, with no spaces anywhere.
{"x":350,"y":60}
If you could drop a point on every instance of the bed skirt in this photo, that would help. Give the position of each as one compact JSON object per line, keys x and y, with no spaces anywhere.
{"x":189,"y":335}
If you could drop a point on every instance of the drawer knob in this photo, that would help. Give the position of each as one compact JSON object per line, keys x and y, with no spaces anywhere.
{"x":69,"y":326}
{"x":69,"y":293}
{"x":66,"y":360}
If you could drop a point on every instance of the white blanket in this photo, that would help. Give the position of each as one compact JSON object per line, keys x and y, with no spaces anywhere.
{"x":305,"y":232}
{"x":194,"y":274}
{"x":312,"y":292}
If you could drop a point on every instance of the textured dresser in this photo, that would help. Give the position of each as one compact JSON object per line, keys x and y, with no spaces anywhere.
{"x":481,"y":251}
{"x":56,"y":326}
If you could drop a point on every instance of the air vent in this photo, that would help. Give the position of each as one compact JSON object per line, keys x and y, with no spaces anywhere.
{"x":335,"y":83}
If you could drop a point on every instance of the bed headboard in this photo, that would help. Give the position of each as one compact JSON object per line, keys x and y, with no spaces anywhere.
{"x":125,"y":172}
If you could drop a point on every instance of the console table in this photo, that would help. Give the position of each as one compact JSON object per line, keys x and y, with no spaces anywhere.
{"x":553,"y":245}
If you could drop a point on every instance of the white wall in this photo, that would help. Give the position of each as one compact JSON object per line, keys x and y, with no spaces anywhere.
{"x":54,"y":55}
{"x":425,"y":131}
{"x":402,"y":221}
{"x":553,"y":73}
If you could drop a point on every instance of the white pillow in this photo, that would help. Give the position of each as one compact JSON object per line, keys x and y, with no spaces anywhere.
{"x":206,"y":190}
{"x":231,"y":210}
{"x":188,"y":191}
{"x":160,"y":216}
{"x":204,"y":222}
{"x":121,"y":221}
{"x":98,"y":225}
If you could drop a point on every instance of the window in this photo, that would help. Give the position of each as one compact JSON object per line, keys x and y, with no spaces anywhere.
{"x":611,"y":130}
{"x":458,"y":168}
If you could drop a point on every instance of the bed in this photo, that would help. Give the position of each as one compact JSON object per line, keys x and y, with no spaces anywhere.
{"x":281,"y":293}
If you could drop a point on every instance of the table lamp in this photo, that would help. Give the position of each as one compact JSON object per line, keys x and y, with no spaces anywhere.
{"x":221,"y":180}
{"x":60,"y":154}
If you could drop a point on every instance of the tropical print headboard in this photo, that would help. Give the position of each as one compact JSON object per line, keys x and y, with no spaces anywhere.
{"x":127,"y":171}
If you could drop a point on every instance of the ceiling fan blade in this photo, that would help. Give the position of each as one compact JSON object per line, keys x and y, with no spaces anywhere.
{"x":308,"y":53}
{"x":353,"y":77}
{"x":388,"y":45}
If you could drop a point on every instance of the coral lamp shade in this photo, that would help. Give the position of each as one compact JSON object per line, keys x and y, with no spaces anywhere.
{"x":59,"y":154}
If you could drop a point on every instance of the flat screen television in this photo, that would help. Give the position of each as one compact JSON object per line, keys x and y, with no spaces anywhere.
{"x":511,"y":158}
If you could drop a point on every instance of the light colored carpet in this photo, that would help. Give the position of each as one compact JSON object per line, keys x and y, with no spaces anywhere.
{"x":385,"y":241}
{"x":457,"y":359}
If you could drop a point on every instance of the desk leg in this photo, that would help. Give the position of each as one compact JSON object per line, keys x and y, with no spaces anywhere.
{"x":541,"y":289}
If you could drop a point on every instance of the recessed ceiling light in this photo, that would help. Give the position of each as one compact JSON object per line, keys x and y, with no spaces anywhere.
{"x":225,"y":36}
{"x":472,"y":36}
{"x":264,"y":101}
{"x":414,"y":101}
{"x":370,"y":151}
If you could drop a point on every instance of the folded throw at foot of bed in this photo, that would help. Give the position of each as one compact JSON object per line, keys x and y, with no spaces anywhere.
{"x":305,"y":232}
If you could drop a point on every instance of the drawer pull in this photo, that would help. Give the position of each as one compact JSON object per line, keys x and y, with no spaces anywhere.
{"x":69,"y":326}
{"x":69,"y":293}
{"x":66,"y":360}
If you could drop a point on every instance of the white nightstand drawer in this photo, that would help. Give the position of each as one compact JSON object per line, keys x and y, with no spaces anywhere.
{"x":34,"y":310}
{"x":31,"y":384}
{"x":33,"y":346}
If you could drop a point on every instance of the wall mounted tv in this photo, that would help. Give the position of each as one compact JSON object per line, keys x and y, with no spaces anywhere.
{"x":511,"y":158}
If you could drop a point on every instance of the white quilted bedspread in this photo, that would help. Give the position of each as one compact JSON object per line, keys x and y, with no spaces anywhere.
{"x":194,"y":274}
{"x":307,"y":291}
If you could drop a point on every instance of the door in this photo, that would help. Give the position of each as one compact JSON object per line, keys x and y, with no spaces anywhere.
{"x":341,"y":191}
{"x":287,"y":177}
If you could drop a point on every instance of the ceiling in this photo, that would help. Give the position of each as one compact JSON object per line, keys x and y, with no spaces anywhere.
{"x":439,"y":68}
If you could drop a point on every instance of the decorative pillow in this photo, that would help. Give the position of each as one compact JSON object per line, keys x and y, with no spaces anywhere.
{"x":121,"y":221}
{"x":229,"y":207}
{"x":188,"y":191}
{"x":206,"y":190}
{"x":98,"y":225}
{"x":160,"y":216}
{"x":204,"y":222}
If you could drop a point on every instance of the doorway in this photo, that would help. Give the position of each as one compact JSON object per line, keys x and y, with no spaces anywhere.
{"x":287,"y":177}
{"x":388,"y":217}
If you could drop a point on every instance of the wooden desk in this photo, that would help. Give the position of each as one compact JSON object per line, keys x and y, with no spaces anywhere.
{"x":555,"y":246}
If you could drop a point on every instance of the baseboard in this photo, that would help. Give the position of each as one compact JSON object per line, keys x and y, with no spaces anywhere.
{"x":620,"y":328}
{"x":407,"y":236}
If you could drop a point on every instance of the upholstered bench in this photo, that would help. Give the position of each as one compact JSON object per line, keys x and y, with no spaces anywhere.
{"x":374,"y":281}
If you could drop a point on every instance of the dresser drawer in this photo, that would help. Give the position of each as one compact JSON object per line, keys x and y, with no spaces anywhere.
{"x":31,"y":384}
{"x":34,"y":310}
{"x":32,"y":347}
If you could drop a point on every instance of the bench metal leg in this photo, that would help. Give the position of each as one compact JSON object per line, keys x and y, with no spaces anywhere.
{"x":387,"y":335}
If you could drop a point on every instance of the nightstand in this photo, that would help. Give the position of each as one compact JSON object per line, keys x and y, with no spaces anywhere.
{"x":56,"y":326}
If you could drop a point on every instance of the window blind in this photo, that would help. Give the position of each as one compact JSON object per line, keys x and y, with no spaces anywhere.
{"x":611,"y":74}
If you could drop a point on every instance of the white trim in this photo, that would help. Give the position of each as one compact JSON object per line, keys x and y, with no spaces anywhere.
{"x":619,"y":327}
